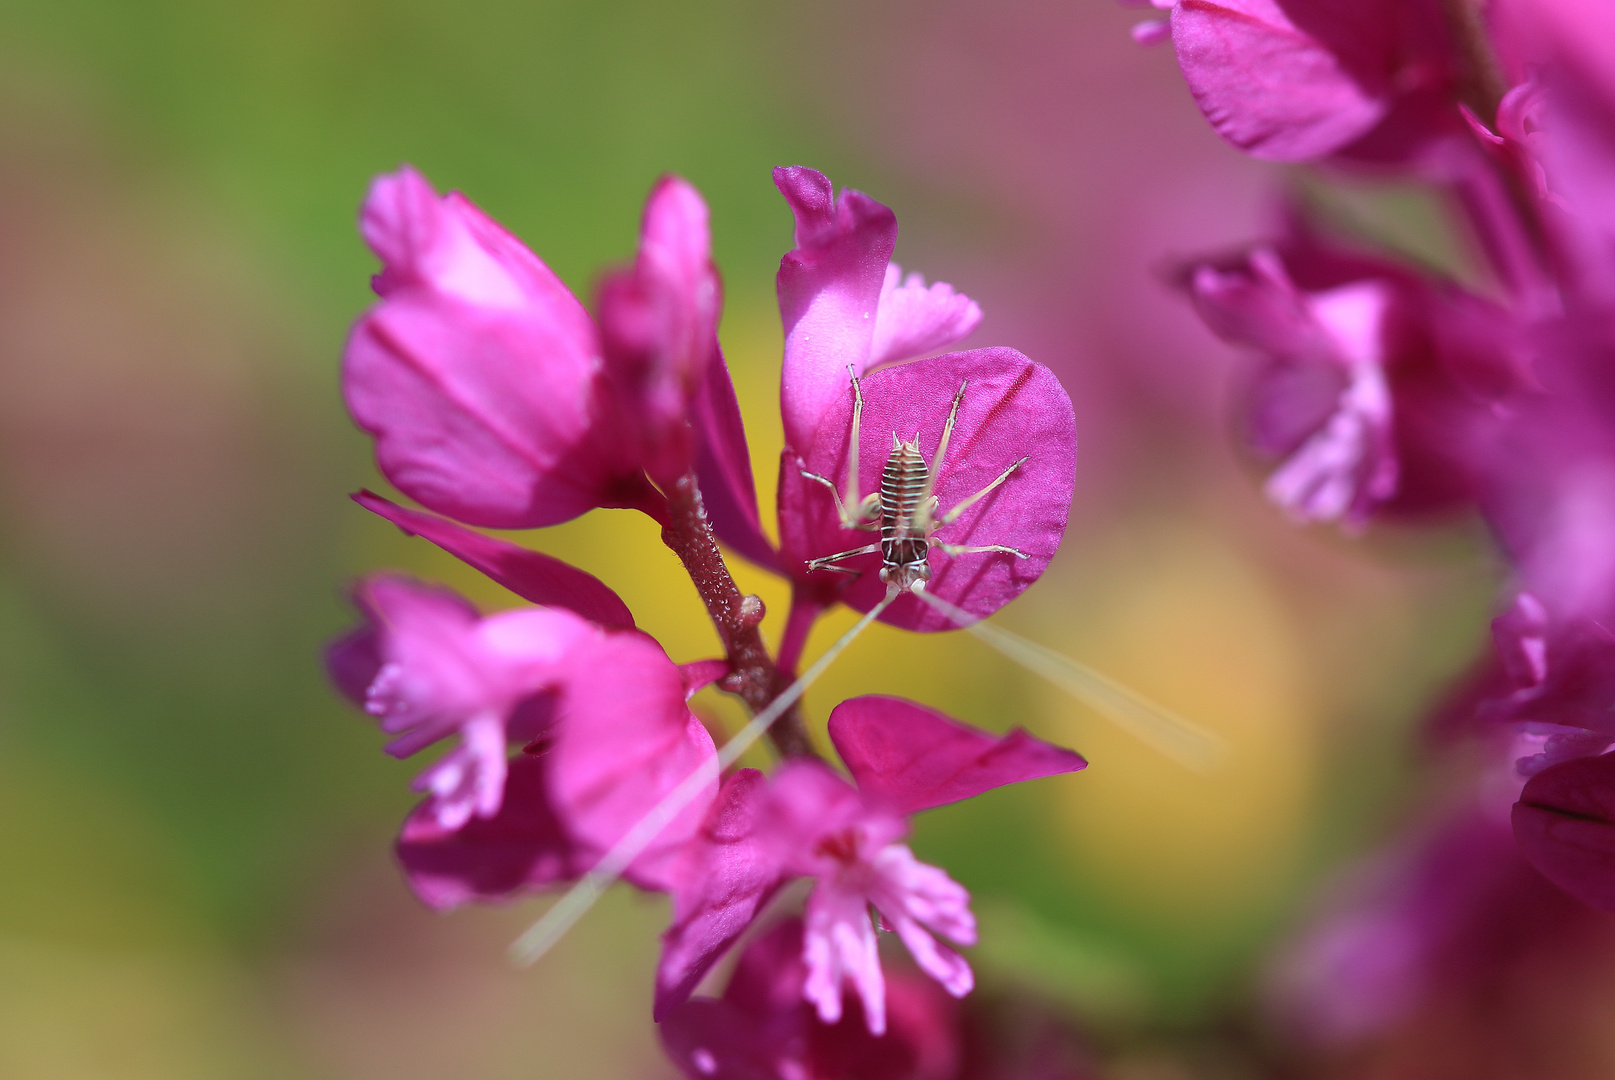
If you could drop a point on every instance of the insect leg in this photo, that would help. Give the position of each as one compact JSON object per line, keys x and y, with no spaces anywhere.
{"x":925,"y":508}
{"x":824,"y":563}
{"x":953,"y":515}
{"x":864,"y":512}
{"x":967,"y":549}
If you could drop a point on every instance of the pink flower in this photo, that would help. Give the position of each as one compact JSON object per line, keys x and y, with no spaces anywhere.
{"x":905,"y":758}
{"x":659,"y":323}
{"x":1298,"y":80}
{"x":479,"y":372}
{"x":760,"y":1029}
{"x":431,"y":669}
{"x":1376,"y":383}
{"x":1565,"y":825}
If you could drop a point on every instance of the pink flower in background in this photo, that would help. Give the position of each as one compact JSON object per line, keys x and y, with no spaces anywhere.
{"x":1299,"y":80}
{"x":428,"y":668}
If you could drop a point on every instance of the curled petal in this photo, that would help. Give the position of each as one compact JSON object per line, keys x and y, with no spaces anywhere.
{"x":470,"y":779}
{"x":829,"y":292}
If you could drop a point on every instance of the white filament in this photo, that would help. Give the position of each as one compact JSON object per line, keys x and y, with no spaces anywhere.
{"x":1185,"y":742}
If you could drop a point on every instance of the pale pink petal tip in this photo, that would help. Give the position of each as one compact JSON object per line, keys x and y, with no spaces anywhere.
{"x":1152,"y":32}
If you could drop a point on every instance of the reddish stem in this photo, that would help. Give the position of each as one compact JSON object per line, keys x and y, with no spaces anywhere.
{"x":805,"y":611}
{"x":753,"y":675}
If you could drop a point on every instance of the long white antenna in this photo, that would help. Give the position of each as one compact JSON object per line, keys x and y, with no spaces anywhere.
{"x":1185,"y":742}
{"x":553,"y":925}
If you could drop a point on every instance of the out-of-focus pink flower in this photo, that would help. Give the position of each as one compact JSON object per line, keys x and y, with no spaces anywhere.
{"x":658,"y":324}
{"x":1300,"y":80}
{"x":1449,"y":929}
{"x":1565,"y":825}
{"x":761,"y":1029}
{"x":1376,"y":378}
{"x":478,"y":372}
{"x":523,"y":847}
{"x":430,"y":668}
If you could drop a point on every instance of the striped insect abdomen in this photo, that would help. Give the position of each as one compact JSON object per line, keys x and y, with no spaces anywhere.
{"x":902,"y":483}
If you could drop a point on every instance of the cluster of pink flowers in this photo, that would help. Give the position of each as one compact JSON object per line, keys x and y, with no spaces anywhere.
{"x":497,"y":400}
{"x":1387,"y":391}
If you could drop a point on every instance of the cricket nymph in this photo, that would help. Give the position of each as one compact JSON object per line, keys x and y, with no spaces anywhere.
{"x":905,"y":508}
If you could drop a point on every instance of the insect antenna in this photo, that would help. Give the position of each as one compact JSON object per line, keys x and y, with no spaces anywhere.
{"x":1184,"y":741}
{"x":539,"y":938}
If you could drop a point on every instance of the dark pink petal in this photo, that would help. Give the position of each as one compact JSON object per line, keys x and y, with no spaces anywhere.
{"x":1013,"y":408}
{"x":521,"y":849}
{"x":726,"y":880}
{"x":915,"y":319}
{"x":829,"y":292}
{"x":1565,"y":825}
{"x":916,"y":758}
{"x":709,"y":1039}
{"x":624,"y":739}
{"x":724,"y":468}
{"x":531,"y":575}
{"x":1288,"y":81}
{"x":352,"y":661}
{"x":478,"y":371}
{"x":658,"y":325}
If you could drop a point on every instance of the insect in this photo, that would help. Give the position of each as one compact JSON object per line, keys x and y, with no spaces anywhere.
{"x":905,"y":509}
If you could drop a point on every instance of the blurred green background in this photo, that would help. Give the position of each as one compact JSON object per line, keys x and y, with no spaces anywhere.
{"x":195,"y":877}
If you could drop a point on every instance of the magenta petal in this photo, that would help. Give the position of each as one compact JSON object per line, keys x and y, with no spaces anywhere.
{"x":709,"y":1039}
{"x":724,"y":468}
{"x":727,"y":878}
{"x":478,"y":372}
{"x":531,"y":575}
{"x":916,"y":758}
{"x":829,"y":291}
{"x":352,"y":662}
{"x":624,"y":739}
{"x":520,"y":849}
{"x":1013,"y":408}
{"x":1565,"y":825}
{"x":915,"y":319}
{"x":1287,"y":81}
{"x":658,"y":326}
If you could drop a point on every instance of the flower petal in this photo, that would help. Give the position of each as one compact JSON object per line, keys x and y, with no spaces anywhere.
{"x":1012,"y":408}
{"x":916,"y":758}
{"x":724,"y":468}
{"x":1565,"y":825}
{"x":520,"y":849}
{"x":914,"y":319}
{"x":727,"y":878}
{"x":531,"y":575}
{"x":829,"y":291}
